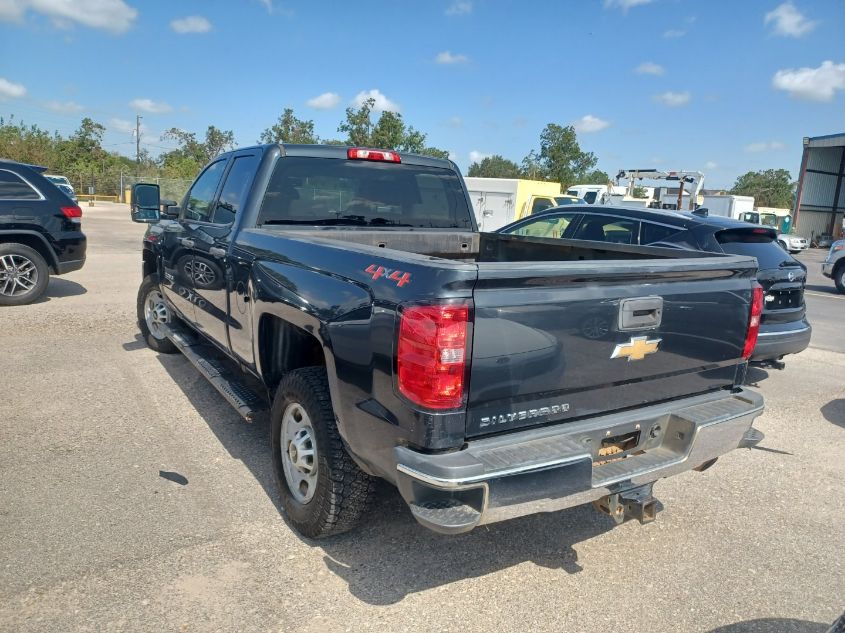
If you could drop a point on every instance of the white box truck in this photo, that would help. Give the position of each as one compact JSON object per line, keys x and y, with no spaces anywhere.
{"x":500,"y":201}
{"x":729,"y":206}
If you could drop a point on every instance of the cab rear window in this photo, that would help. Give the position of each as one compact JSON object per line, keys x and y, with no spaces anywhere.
{"x":328,"y":192}
{"x":757,"y":243}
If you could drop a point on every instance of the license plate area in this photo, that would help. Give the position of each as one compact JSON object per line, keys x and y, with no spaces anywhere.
{"x":636,"y":439}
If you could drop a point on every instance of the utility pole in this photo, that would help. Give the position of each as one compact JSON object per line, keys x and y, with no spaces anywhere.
{"x":138,"y":138}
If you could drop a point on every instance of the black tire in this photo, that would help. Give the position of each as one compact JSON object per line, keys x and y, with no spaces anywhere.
{"x":839,"y":277}
{"x":342,"y":492}
{"x":160,"y":344}
{"x":22,"y":253}
{"x":782,"y":244}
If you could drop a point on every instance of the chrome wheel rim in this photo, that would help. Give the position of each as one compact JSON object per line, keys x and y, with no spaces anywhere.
{"x":156,"y":314}
{"x":200,"y":272}
{"x":18,"y":275}
{"x":299,"y":452}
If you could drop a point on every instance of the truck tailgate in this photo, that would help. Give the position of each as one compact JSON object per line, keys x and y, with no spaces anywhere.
{"x":550,"y":344}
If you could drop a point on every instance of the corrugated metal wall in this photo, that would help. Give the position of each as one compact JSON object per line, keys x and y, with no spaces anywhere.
{"x":812,"y":223}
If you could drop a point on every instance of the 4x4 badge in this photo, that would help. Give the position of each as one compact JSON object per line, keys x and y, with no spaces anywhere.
{"x":636,"y":349}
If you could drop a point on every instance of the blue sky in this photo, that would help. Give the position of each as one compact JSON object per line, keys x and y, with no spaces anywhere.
{"x":720,"y":86}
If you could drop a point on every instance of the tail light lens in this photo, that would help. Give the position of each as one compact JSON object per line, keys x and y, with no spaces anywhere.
{"x":431,"y":355}
{"x":753,"y":320}
{"x":72,"y":213}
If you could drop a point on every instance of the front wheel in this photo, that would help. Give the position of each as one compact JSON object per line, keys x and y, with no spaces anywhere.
{"x":154,"y":316}
{"x":323,"y":490}
{"x":839,"y":278}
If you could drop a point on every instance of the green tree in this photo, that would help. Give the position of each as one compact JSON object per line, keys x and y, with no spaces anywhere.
{"x":639,"y":192}
{"x":595,"y":177}
{"x":494,"y":166}
{"x":358,"y":125}
{"x":770,"y":187}
{"x":289,"y":129}
{"x":560,"y":158}
{"x":186,"y":160}
{"x":388,"y":132}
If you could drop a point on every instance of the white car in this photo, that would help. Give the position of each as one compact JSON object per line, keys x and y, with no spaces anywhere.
{"x":793,"y":243}
{"x":59,"y":180}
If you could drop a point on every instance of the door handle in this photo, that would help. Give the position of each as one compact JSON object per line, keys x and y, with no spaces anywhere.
{"x":214,"y":251}
{"x":187,"y":242}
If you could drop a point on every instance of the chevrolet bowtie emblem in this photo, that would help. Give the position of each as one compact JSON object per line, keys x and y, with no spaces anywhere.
{"x":636,"y":349}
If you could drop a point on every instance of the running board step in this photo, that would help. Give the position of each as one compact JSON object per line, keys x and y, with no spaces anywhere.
{"x":231,"y":386}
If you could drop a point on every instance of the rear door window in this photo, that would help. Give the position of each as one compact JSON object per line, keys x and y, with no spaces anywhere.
{"x":13,"y":187}
{"x":754,"y":244}
{"x":550,"y":225}
{"x":652,"y":233}
{"x":602,"y":228}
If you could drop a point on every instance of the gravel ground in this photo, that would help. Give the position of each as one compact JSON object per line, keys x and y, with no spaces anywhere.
{"x":92,"y":538}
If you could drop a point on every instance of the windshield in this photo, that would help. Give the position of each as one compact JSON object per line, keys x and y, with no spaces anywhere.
{"x":759,"y":245}
{"x":562,"y":200}
{"x":329,"y":191}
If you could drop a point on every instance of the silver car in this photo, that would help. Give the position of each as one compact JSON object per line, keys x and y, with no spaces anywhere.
{"x":793,"y":243}
{"x":834,"y":265}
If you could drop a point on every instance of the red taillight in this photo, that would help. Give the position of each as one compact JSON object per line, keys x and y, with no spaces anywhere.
{"x":358,"y":153}
{"x":72,"y":213}
{"x":753,"y":320}
{"x":431,"y":355}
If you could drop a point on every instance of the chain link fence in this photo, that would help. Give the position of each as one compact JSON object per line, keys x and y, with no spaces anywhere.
{"x":117,"y":184}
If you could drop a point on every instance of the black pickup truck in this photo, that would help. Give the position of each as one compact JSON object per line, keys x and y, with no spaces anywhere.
{"x":349,"y":292}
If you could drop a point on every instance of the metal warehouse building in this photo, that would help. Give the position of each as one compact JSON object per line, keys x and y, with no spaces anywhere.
{"x":820,"y":199}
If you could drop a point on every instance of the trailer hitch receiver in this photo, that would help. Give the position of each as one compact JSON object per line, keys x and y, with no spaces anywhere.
{"x":637,"y":503}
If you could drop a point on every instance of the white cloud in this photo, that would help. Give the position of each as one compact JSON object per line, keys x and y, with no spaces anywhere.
{"x":589,"y":123}
{"x":649,"y":68}
{"x":150,"y":106}
{"x":11,"y":90}
{"x":812,"y":84}
{"x":64,"y":107}
{"x":382,"y":103}
{"x":191,"y":24}
{"x":789,"y":21}
{"x":268,"y":4}
{"x":447,"y":57}
{"x":764,"y":146}
{"x":114,"y":16}
{"x":121,"y":125}
{"x":455,"y":121}
{"x":476,"y":157}
{"x":325,"y":101}
{"x":459,"y":7}
{"x":673,"y":99}
{"x":673,"y":34}
{"x":624,"y":5}
{"x":710,"y":165}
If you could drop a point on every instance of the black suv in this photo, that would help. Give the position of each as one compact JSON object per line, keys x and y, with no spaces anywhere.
{"x":40,"y":233}
{"x":783,"y":329}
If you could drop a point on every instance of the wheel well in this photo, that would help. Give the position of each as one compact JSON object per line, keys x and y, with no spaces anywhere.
{"x":285,"y":347}
{"x":35,"y":243}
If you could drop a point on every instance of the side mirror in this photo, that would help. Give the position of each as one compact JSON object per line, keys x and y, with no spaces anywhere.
{"x":145,"y":207}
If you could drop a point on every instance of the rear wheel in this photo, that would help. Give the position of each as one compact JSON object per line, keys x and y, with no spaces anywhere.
{"x":323,"y":490}
{"x":23,"y":275}
{"x":154,"y":316}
